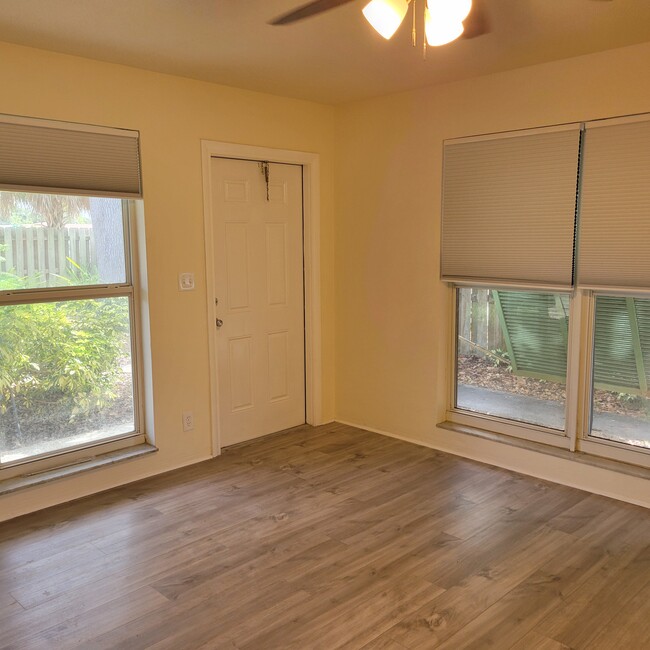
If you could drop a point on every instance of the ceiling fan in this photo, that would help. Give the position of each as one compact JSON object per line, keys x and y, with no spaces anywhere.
{"x":444,"y":20}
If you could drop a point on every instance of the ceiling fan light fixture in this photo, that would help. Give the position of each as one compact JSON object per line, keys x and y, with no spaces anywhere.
{"x":386,"y":16}
{"x":449,"y":11}
{"x":439,"y":29}
{"x":455,"y":10}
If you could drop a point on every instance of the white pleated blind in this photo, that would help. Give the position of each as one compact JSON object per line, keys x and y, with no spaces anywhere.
{"x":42,"y":155}
{"x":614,"y":231}
{"x":508,"y":212}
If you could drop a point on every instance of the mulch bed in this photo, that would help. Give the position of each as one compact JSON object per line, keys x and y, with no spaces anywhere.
{"x":478,"y":371}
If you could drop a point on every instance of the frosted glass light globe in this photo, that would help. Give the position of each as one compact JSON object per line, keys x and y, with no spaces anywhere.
{"x":452,"y":11}
{"x":386,"y":15}
{"x":440,"y":30}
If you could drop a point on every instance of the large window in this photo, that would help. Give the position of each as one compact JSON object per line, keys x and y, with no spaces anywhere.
{"x":511,"y":364}
{"x":68,"y":317}
{"x":66,"y":324}
{"x":545,"y":236}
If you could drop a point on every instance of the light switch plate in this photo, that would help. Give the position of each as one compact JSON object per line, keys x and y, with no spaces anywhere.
{"x":188,"y":420}
{"x":186,"y":281}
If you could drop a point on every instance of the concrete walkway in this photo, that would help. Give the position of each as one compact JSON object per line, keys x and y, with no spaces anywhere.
{"x":547,"y":413}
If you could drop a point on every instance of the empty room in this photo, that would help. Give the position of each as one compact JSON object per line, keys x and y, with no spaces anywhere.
{"x":325,"y":324}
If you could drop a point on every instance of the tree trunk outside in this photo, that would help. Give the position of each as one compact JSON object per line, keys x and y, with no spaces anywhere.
{"x":106,"y":218}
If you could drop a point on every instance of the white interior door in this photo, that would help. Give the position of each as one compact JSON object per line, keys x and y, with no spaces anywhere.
{"x":259,"y":293}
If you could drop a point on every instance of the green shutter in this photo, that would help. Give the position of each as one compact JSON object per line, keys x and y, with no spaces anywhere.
{"x":643,"y":320}
{"x":535,"y":327}
{"x":622,"y":334}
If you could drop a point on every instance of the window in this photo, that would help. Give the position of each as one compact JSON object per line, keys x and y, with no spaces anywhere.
{"x":512,"y":365}
{"x":620,"y":404}
{"x":66,"y":333}
{"x":544,"y":239}
{"x":68,"y":317}
{"x":512,"y":355}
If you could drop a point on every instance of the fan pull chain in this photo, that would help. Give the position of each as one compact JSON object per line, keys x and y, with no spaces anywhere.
{"x":424,"y":35}
{"x":414,"y":32}
{"x":265,"y":169}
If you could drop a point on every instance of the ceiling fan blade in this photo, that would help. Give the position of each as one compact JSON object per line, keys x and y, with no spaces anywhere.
{"x":477,"y":23}
{"x":310,"y":9}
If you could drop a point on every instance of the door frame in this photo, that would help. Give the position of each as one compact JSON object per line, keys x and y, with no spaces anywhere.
{"x":310,"y":163}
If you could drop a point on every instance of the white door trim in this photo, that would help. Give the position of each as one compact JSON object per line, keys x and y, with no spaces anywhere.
{"x":311,"y":210}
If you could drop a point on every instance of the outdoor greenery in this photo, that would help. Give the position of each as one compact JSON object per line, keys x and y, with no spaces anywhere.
{"x":60,"y":362}
{"x":53,"y":210}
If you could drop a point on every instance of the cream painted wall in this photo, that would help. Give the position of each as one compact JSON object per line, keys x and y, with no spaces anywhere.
{"x":382,"y":291}
{"x":393,"y":313}
{"x":173,"y":114}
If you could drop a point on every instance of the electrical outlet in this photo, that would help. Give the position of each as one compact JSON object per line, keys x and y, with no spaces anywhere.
{"x":188,"y":420}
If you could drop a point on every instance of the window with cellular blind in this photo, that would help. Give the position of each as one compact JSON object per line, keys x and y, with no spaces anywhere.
{"x":509,"y":207}
{"x":68,"y":311}
{"x":567,"y":208}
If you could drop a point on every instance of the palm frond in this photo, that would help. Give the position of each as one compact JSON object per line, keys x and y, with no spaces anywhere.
{"x":55,"y":210}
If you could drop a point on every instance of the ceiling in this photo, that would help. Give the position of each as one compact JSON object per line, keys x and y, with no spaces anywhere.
{"x":333,"y":58}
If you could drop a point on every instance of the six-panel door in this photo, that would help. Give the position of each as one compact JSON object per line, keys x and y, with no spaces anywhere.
{"x":258,"y":247}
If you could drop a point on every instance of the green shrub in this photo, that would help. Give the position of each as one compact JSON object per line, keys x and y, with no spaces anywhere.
{"x":59,"y":360}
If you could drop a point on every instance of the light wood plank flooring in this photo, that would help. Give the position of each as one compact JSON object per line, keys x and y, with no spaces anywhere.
{"x":329,"y":538}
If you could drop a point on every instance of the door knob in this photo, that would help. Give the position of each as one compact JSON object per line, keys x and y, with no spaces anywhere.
{"x":219,"y":322}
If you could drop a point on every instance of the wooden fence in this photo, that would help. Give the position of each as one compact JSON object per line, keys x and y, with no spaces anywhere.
{"x":32,"y":250}
{"x":478,"y":323}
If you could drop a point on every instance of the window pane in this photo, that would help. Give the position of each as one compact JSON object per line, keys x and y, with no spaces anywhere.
{"x":65,"y":375}
{"x":620,"y":398}
{"x":512,"y":355}
{"x":49,"y":240}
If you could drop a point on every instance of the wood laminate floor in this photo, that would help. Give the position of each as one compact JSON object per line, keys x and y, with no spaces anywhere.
{"x":329,"y":538}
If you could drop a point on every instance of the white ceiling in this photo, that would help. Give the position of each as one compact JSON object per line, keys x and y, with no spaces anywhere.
{"x":335,"y":57}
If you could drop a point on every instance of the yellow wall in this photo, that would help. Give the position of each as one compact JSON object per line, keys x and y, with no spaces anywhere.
{"x":393,"y":313}
{"x":173,"y":115}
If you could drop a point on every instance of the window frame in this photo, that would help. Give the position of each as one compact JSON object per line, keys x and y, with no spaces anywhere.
{"x":128,"y":289}
{"x":579,"y":385}
{"x":581,"y":339}
{"x":588,"y":444}
{"x":495,"y":424}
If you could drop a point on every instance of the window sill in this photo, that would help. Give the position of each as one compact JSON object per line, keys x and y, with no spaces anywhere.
{"x":11,"y":485}
{"x":575,"y":456}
